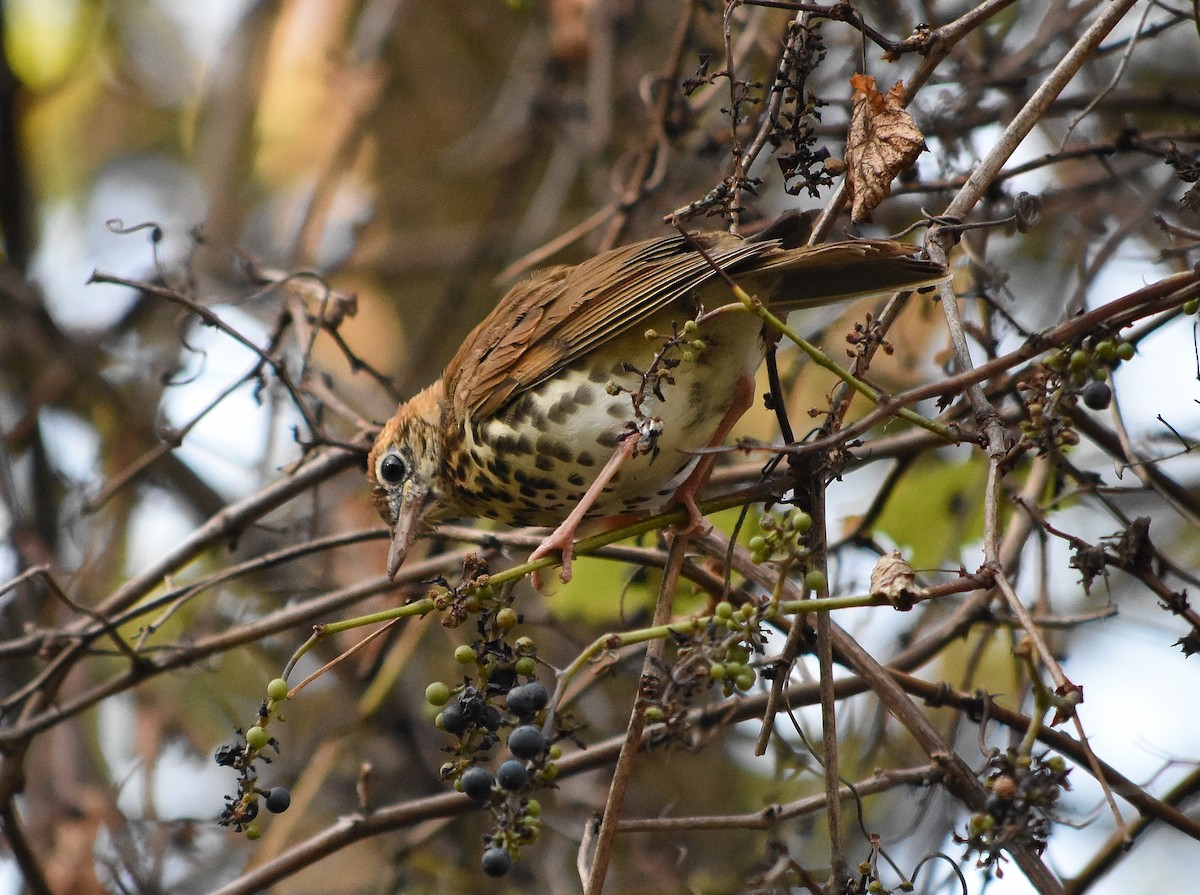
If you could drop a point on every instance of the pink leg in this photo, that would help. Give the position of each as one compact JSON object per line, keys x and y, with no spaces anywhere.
{"x":685,"y":494}
{"x":563,"y":537}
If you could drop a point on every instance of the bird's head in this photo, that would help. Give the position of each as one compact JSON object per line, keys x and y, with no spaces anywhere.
{"x":403,"y":468}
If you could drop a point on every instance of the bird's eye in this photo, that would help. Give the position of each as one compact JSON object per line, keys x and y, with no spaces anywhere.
{"x":391,"y":469}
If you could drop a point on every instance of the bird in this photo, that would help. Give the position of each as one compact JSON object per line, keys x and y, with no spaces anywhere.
{"x":590,"y":390}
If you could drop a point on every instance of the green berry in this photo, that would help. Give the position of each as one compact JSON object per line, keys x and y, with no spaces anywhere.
{"x":525,"y":646}
{"x":981,"y":824}
{"x":687,"y":357}
{"x":1079,"y":359}
{"x":549,"y":771}
{"x":278,"y":689}
{"x":724,"y":609}
{"x":555,"y":751}
{"x":1125,"y":351}
{"x":801,"y":521}
{"x":533,"y":808}
{"x":253,"y":832}
{"x":815,"y":580}
{"x":1191,"y":306}
{"x":745,"y":679}
{"x":717,"y":671}
{"x":738,"y":653}
{"x":257,"y":737}
{"x":1106,"y":349}
{"x":506,"y":618}
{"x":525,"y":666}
{"x":437,"y":694}
{"x":464,"y":655}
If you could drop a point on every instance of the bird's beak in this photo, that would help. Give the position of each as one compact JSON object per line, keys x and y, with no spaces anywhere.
{"x":408,"y":517}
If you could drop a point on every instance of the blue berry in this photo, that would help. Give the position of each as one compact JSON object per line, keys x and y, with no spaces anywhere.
{"x":278,"y":800}
{"x":497,"y":861}
{"x":526,"y":741}
{"x":477,"y":783}
{"x":454,"y":721}
{"x":512,"y":775}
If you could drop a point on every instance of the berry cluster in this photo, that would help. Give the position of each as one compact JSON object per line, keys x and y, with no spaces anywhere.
{"x":1063,"y":378}
{"x":499,"y":693}
{"x":783,"y":536}
{"x":242,"y":755}
{"x":1023,"y":793}
{"x":717,"y":652}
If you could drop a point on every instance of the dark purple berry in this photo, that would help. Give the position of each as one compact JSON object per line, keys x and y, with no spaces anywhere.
{"x":497,"y":861}
{"x":477,"y":783}
{"x":526,"y":741}
{"x":512,"y":775}
{"x":454,"y":720}
{"x":1097,"y":395}
{"x":278,"y":800}
{"x":527,"y":699}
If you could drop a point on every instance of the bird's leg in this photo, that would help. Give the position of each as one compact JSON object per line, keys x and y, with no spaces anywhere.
{"x":563,"y":537}
{"x":686,"y":494}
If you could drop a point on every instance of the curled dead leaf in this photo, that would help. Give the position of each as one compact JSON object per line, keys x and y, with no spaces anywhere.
{"x":883,"y":141}
{"x":895,"y":579}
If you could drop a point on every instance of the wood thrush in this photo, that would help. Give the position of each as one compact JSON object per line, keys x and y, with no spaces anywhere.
{"x":587,"y":389}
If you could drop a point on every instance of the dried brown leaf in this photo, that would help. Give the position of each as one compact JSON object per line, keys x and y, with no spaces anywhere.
{"x":894,"y":578}
{"x":883,"y":141}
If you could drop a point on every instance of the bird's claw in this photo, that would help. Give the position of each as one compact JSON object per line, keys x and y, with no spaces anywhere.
{"x":560,"y":541}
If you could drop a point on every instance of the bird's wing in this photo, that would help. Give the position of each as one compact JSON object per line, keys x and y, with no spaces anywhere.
{"x":561,"y":314}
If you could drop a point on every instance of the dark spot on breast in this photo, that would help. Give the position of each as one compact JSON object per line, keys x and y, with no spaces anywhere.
{"x":585,"y":459}
{"x":575,"y":479}
{"x":553,"y":448}
{"x":543,"y":462}
{"x":585,"y":395}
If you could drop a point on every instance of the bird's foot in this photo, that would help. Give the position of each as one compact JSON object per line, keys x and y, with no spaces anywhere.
{"x":562,"y":539}
{"x":685,"y":497}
